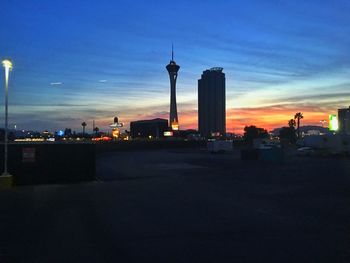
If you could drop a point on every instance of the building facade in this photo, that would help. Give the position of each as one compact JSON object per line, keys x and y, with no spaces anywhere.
{"x":173,"y":69}
{"x":212,"y":103}
{"x":148,"y":128}
{"x":344,"y":121}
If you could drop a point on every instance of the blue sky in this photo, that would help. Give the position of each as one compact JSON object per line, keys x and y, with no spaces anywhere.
{"x":279,"y":57}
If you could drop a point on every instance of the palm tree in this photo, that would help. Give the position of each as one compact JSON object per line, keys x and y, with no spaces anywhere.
{"x":84,"y":125}
{"x":298,"y":116}
{"x":291,"y":123}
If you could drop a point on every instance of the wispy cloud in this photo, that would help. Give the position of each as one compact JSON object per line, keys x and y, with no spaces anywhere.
{"x":56,"y":83}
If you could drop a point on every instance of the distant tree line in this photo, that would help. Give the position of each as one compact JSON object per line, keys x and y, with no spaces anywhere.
{"x":252,"y":132}
{"x":289,"y":133}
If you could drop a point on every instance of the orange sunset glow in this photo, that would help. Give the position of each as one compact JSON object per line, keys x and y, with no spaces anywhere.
{"x":269,"y":117}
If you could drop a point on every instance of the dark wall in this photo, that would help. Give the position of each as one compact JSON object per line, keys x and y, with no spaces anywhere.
{"x":52,"y":162}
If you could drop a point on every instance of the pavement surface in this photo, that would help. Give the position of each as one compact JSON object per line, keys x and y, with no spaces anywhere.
{"x":184,"y":206}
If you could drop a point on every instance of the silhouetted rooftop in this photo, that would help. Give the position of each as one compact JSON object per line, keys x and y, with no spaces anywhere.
{"x":149,"y":121}
{"x":217,"y":69}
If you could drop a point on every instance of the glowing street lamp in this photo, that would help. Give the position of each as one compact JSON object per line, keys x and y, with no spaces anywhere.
{"x":7,"y":64}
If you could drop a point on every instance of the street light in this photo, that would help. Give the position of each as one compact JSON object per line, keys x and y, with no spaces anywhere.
{"x":7,"y":64}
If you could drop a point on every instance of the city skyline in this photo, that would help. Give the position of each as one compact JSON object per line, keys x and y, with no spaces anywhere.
{"x":74,"y":64}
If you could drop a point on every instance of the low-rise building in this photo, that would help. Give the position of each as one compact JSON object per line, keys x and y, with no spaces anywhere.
{"x":148,"y":128}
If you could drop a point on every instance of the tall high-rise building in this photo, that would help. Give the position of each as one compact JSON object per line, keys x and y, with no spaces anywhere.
{"x":172,"y":70}
{"x":212,"y":102}
{"x":344,"y":121}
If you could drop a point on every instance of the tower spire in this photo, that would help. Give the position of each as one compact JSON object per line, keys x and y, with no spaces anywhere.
{"x":172,"y":52}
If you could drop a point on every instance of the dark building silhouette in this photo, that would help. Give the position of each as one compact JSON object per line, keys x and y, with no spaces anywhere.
{"x":172,"y":70}
{"x":212,"y":102}
{"x":146,"y":128}
{"x":11,"y":135}
{"x":67,"y":132}
{"x":344,"y":121}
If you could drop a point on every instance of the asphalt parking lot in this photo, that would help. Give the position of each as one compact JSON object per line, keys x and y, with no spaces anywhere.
{"x":184,"y":206}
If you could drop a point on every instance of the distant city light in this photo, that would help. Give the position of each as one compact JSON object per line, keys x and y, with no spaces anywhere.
{"x":60,"y":133}
{"x":115,"y":133}
{"x":30,"y":140}
{"x":175,"y":126}
{"x":168,"y":133}
{"x":105,"y":138}
{"x":333,"y":122}
{"x":323,"y":122}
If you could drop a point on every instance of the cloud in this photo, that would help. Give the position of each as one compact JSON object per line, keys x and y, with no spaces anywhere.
{"x":56,"y":83}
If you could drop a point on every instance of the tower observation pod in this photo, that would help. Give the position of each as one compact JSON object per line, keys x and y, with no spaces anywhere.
{"x":172,"y":69}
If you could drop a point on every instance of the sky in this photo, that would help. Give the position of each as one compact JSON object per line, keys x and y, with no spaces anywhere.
{"x":78,"y":61}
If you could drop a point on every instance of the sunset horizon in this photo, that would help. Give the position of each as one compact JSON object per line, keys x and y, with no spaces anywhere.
{"x":278,"y":58}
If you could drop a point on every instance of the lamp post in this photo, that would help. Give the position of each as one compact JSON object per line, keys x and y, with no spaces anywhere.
{"x":7,"y":64}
